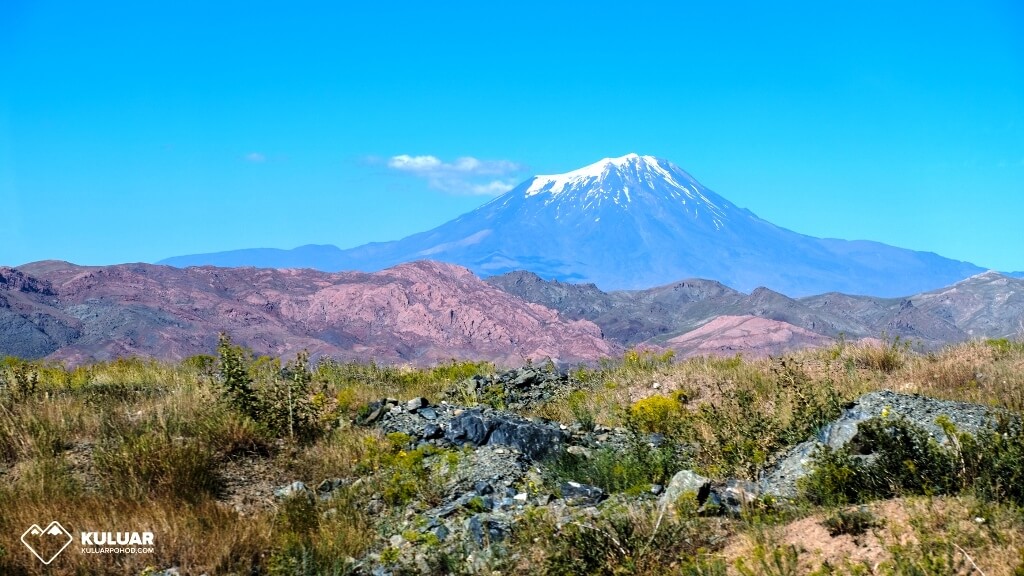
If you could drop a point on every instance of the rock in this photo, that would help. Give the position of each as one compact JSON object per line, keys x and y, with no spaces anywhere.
{"x":469,"y":427}
{"x":731,"y":497}
{"x":452,"y":507}
{"x":442,"y":532}
{"x":428,"y":413}
{"x":483,"y":488}
{"x":657,"y":489}
{"x":781,"y":480}
{"x":294,"y":489}
{"x":475,"y":427}
{"x":432,"y":432}
{"x":374,"y":415}
{"x":656,"y":440}
{"x":576,"y":494}
{"x":682,"y":482}
{"x":486,"y":529}
{"x":520,"y":497}
{"x":578,"y":451}
{"x":396,"y":541}
{"x":416,"y":403}
{"x":325,"y":488}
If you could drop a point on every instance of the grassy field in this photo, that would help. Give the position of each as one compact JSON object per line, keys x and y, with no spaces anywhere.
{"x":192,"y":452}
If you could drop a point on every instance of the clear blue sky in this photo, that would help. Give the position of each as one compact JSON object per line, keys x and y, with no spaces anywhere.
{"x":133,"y":131}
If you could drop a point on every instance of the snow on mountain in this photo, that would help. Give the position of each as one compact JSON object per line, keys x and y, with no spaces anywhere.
{"x":632,"y":222}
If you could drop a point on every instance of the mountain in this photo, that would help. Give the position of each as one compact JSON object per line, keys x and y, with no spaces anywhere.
{"x":628,"y":223}
{"x":747,"y":335}
{"x":987,"y":305}
{"x":422,"y":313}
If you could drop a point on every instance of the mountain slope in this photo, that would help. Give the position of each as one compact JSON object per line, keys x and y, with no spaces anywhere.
{"x":629,"y":223}
{"x":422,"y":312}
{"x":987,"y":305}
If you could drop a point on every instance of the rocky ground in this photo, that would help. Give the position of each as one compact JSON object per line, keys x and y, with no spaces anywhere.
{"x":500,"y":477}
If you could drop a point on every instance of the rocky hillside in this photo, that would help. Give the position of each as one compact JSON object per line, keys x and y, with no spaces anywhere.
{"x":988,"y":305}
{"x":423,"y":312}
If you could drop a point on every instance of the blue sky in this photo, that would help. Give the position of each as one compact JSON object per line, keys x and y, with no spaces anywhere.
{"x":136,"y":131}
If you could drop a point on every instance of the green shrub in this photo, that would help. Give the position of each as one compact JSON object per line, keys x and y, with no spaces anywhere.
{"x":629,"y":470}
{"x":994,"y":461}
{"x":280,"y":400}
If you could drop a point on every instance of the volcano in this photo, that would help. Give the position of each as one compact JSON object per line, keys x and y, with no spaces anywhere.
{"x":628,"y":223}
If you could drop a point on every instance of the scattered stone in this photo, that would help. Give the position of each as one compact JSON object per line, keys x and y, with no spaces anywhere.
{"x":657,"y":489}
{"x":682,"y":482}
{"x":374,"y":415}
{"x":294,"y":489}
{"x":578,"y":451}
{"x":442,"y":532}
{"x":432,"y":432}
{"x":415,"y":404}
{"x":428,"y":413}
{"x":479,"y":427}
{"x":486,"y":529}
{"x":576,"y":494}
{"x":731,"y":497}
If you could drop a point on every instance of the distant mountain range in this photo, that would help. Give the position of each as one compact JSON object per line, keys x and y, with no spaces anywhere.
{"x":987,"y":305}
{"x":631,"y":223}
{"x":425,"y":312}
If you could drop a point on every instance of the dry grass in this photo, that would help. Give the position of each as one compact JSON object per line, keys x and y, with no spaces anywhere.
{"x":923,"y":534}
{"x":109,"y":446}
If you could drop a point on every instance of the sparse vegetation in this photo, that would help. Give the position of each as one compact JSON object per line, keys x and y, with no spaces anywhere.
{"x":134,"y":443}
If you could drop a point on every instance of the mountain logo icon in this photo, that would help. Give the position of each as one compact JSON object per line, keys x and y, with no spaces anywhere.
{"x":47,"y":543}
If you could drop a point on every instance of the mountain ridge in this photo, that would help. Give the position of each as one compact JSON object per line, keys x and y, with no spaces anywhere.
{"x":421,"y":312}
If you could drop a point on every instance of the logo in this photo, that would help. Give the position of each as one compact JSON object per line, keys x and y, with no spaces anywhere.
{"x":47,"y":543}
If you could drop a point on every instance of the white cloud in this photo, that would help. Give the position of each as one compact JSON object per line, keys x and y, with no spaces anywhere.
{"x":414,"y":163}
{"x":465,"y":175}
{"x":494,"y":187}
{"x":255,"y":157}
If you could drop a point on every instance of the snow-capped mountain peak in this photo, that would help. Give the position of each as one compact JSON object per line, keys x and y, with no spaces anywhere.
{"x":633,"y":164}
{"x":622,"y":181}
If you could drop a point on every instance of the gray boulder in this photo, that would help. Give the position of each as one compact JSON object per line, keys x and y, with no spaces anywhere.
{"x":781,"y":480}
{"x":480,"y":428}
{"x":685,"y":481}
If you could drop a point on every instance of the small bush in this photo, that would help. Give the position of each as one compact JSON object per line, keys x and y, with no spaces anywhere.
{"x":852,"y":522}
{"x":660,"y":414}
{"x":886,"y":357}
{"x":280,"y":400}
{"x":633,"y":469}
